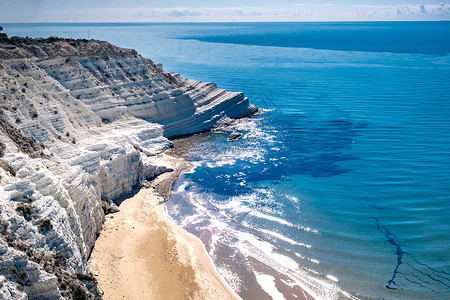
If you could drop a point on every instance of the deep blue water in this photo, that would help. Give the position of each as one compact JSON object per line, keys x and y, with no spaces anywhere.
{"x":344,"y":187}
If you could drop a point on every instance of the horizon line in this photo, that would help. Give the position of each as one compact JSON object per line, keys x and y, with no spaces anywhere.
{"x":216,"y":22}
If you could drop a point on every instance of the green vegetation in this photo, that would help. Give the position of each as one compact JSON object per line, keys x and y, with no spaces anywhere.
{"x":45,"y":226}
{"x":2,"y":35}
{"x":2,"y":149}
{"x":25,"y":210}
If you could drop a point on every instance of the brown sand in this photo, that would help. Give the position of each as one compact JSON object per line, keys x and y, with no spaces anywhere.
{"x":141,"y":254}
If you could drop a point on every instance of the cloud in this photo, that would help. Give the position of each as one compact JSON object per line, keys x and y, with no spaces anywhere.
{"x":422,"y":9}
{"x":406,"y":11}
{"x":155,"y":11}
{"x":439,"y":10}
{"x":184,"y":13}
{"x":238,"y":12}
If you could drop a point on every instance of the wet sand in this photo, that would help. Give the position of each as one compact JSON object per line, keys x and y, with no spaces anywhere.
{"x":141,"y":254}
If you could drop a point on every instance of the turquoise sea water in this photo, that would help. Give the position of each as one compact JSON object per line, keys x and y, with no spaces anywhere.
{"x":343,"y":188}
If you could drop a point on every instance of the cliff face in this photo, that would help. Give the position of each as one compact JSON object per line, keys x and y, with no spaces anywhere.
{"x":80,"y":125}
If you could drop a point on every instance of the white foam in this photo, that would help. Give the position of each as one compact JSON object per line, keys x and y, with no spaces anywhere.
{"x":289,"y":284}
{"x":331,"y":277}
{"x":267,"y":283}
{"x":231,"y":155}
{"x":308,"y":229}
{"x":233,"y":280}
{"x":237,"y":204}
{"x":348,"y":295}
{"x":221,"y":163}
{"x":261,"y":245}
{"x":285,"y":261}
{"x":319,"y":286}
{"x":182,"y":187}
{"x":175,"y":209}
{"x":286,"y":239}
{"x":292,"y":198}
{"x":266,"y":249}
{"x":271,"y":218}
{"x":306,"y":258}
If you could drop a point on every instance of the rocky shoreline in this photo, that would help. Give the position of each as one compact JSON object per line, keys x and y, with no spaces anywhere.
{"x":81,"y":124}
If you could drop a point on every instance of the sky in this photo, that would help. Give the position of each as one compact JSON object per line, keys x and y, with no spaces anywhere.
{"x":30,"y":11}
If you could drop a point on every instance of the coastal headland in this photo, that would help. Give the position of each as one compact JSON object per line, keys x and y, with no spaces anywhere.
{"x":82,"y":124}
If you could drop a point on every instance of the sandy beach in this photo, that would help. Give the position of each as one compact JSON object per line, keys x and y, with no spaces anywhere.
{"x":141,"y":254}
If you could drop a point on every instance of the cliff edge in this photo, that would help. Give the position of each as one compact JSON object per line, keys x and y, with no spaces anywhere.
{"x":80,"y":124}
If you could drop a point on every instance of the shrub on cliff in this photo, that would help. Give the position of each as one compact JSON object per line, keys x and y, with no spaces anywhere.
{"x":6,"y":165}
{"x":45,"y":226}
{"x":53,"y":39}
{"x":25,"y":210}
{"x":2,"y":34}
{"x":23,"y":278}
{"x":2,"y":149}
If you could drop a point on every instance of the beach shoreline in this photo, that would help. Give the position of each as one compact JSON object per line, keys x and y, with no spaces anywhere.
{"x":142,"y":254}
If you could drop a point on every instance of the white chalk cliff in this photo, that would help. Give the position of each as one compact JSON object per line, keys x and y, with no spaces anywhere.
{"x":80,"y":125}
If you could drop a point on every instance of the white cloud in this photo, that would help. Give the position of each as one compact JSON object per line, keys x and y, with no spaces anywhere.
{"x":184,"y":13}
{"x":117,"y":11}
{"x":407,"y":11}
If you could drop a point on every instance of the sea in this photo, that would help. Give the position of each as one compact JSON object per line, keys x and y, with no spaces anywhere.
{"x":339,"y":188}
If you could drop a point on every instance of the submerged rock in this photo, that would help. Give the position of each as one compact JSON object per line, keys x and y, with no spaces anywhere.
{"x":234,"y":136}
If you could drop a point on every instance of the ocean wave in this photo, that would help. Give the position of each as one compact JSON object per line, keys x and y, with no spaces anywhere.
{"x":271,"y":218}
